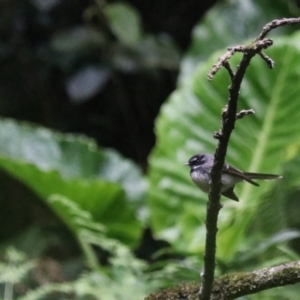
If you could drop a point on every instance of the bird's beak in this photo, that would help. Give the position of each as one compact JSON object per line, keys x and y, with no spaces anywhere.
{"x":187,"y":164}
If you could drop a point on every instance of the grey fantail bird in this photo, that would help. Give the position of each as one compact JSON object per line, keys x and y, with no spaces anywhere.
{"x":201,"y":165}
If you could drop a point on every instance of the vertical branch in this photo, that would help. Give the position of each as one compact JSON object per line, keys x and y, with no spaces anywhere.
{"x":214,"y":206}
{"x":229,"y":116}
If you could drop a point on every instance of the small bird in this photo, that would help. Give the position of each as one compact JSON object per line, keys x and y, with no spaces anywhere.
{"x":201,"y":165}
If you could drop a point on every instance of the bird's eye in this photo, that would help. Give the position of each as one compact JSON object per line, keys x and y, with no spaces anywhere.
{"x":197,"y":160}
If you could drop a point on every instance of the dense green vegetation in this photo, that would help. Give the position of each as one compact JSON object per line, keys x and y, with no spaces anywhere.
{"x":101,"y":205}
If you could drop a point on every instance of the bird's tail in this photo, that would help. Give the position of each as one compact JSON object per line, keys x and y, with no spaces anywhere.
{"x":262,"y":176}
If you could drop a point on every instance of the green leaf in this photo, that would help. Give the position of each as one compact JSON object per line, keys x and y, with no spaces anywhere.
{"x":16,"y":267}
{"x":98,"y":181}
{"x":124,"y":271}
{"x":259,"y":143}
{"x":125,"y":22}
{"x":258,"y":249}
{"x":282,"y":212}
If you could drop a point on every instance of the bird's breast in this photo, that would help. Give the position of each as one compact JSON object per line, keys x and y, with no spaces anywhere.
{"x":201,"y":179}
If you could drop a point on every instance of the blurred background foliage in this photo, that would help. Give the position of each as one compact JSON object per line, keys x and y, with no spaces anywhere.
{"x":95,"y":201}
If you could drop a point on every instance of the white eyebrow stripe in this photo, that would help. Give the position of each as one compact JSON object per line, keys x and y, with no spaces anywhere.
{"x":197,"y":167}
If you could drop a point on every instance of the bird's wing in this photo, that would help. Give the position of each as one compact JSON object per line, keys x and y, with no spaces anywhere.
{"x":235,"y":172}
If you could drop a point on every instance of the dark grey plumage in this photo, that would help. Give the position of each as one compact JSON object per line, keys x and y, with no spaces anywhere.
{"x":201,"y":165}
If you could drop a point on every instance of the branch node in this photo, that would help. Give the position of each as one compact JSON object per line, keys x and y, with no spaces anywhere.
{"x":224,"y":111}
{"x":262,"y":44}
{"x":244,"y":112}
{"x":223,"y":60}
{"x":217,"y":135}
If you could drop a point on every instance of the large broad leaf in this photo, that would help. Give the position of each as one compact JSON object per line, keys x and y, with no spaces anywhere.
{"x":259,"y":143}
{"x":98,"y":181}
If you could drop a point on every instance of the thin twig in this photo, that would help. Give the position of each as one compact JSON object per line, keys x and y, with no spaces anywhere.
{"x":227,"y":66}
{"x":276,"y":23}
{"x":270,"y":62}
{"x":224,"y":59}
{"x":256,"y":47}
